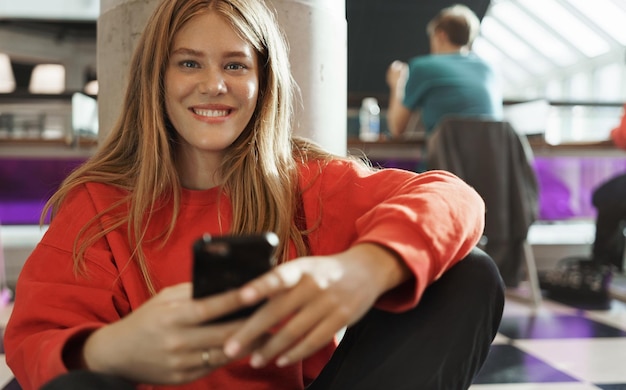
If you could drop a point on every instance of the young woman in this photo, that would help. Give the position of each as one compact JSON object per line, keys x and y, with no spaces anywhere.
{"x":204,"y":145}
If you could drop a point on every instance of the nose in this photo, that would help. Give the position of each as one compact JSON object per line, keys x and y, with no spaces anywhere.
{"x":212,"y":83}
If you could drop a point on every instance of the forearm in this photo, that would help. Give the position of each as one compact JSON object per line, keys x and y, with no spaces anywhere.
{"x":398,"y":115}
{"x":395,"y":125}
{"x":386,"y":266}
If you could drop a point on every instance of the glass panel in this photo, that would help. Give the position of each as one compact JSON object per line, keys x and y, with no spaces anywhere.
{"x":581,"y":123}
{"x":572,"y":28}
{"x":607,"y":84}
{"x":502,"y":64}
{"x":513,"y":46}
{"x":533,"y":33}
{"x":511,"y":73}
{"x":580,"y":87}
{"x":554,"y":90}
{"x":605,"y":14}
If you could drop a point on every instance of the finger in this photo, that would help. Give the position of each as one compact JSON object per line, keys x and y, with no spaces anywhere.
{"x":211,"y":335}
{"x":320,"y":336}
{"x":283,"y":277}
{"x":262,"y":321}
{"x":175,"y":293}
{"x":199,"y":363}
{"x":193,"y":312}
{"x":210,"y":358}
{"x":297,"y":332}
{"x":256,"y":344}
{"x":198,"y":360}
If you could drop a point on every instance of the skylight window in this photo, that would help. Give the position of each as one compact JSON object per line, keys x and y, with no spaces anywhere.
{"x":569,"y":26}
{"x":606,"y":14}
{"x":513,"y":46}
{"x":534,"y":33}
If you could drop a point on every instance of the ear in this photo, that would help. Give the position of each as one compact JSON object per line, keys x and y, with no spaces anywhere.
{"x":441,"y":37}
{"x":437,"y":41}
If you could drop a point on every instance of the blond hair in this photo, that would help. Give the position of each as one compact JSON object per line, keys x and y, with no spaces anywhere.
{"x":459,"y":22}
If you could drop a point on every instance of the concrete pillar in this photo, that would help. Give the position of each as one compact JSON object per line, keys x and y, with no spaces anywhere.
{"x":119,"y":26}
{"x":318,"y":40}
{"x":317,"y":34}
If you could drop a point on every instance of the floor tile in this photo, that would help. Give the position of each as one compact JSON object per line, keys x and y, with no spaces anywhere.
{"x":508,"y":364}
{"x":5,"y":373}
{"x":548,"y":326}
{"x":621,"y":386}
{"x":593,"y":360}
{"x":615,"y":316}
{"x":537,"y":386}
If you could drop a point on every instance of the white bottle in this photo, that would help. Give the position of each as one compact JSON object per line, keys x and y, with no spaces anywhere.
{"x":369,"y":120}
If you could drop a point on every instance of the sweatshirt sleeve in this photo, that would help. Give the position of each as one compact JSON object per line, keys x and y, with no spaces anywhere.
{"x":68,"y":306}
{"x":430,"y":220}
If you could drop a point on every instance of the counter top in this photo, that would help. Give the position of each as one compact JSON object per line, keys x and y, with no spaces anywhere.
{"x":412,"y":148}
{"x":41,"y":148}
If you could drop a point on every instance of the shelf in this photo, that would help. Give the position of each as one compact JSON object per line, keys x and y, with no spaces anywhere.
{"x":39,"y":148}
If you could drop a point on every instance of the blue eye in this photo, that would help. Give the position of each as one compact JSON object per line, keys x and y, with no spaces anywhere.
{"x":235,"y":66}
{"x":188,"y":64}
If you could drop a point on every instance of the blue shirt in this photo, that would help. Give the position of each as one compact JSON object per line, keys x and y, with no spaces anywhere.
{"x":452,"y":84}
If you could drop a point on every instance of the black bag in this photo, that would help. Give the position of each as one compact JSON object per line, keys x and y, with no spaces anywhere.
{"x":577,"y":279}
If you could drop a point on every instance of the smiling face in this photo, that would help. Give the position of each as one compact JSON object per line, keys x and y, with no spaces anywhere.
{"x":211,"y":91}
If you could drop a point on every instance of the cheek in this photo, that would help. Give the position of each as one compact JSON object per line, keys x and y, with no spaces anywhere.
{"x":168,"y":105}
{"x":174,"y":92}
{"x":175,"y":86}
{"x":167,"y":92}
{"x":252,"y":92}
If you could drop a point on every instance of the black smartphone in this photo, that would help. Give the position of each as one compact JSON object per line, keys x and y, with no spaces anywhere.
{"x":222,"y":263}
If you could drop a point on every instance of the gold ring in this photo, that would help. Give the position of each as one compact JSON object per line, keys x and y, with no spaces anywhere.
{"x":206,"y":357}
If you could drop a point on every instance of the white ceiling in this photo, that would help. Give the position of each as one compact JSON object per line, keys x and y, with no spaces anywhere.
{"x":68,"y":10}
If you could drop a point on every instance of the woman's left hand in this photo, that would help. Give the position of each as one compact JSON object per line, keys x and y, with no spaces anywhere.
{"x":314,"y":297}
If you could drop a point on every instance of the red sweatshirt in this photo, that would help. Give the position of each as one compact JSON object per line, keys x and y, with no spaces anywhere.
{"x":618,"y":134}
{"x":431,"y":220}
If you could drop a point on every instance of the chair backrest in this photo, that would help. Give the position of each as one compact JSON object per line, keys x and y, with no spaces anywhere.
{"x":494,"y":159}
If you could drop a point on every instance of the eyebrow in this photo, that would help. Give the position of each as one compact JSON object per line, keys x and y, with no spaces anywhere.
{"x":187,"y":51}
{"x":197,"y":53}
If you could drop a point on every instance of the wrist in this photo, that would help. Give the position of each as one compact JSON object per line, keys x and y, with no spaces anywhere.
{"x":95,"y":350}
{"x":73,"y":351}
{"x":386,"y":265}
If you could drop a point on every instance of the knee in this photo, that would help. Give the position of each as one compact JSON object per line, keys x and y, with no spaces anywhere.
{"x":476,"y":273}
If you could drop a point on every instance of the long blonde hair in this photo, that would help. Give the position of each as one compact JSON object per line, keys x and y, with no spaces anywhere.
{"x":138,"y":156}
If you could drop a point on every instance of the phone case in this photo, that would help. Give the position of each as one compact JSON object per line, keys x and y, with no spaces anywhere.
{"x":222,"y":263}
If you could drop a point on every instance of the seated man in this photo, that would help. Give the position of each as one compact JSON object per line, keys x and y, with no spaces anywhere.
{"x":450,"y":80}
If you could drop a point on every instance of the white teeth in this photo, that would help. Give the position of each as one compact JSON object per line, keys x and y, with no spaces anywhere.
{"x":210,"y":113}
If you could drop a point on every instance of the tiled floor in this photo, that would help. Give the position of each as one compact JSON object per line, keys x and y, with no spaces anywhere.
{"x":552,"y":347}
{"x":557,"y":347}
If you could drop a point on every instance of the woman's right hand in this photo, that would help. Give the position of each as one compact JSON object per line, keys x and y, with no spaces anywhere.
{"x":166,"y":340}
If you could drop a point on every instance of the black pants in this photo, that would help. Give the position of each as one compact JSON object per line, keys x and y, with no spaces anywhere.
{"x":609,"y":199}
{"x":441,"y":344}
